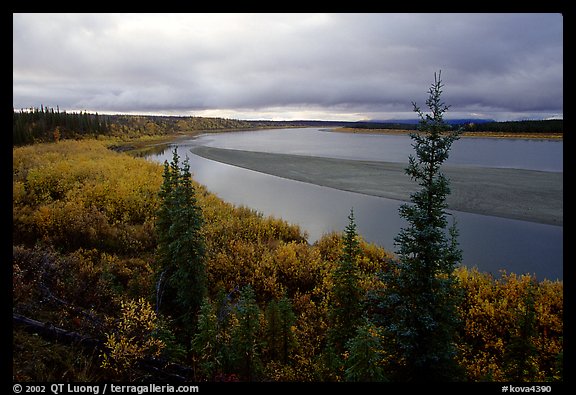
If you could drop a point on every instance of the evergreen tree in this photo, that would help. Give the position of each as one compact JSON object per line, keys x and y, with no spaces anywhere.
{"x":245,"y":339}
{"x":225,"y":310}
{"x":521,"y":353}
{"x":346,"y":302}
{"x":279,"y":336}
{"x":272,"y":330}
{"x":365,"y":362}
{"x":418,"y":307}
{"x":181,"y":247}
{"x":205,"y":342}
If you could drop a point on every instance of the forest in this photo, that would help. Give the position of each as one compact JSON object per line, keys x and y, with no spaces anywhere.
{"x":527,"y":126}
{"x":97,"y":240}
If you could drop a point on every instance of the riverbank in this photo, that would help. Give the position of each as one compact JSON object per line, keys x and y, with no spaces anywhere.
{"x":538,"y":136}
{"x":527,"y":195}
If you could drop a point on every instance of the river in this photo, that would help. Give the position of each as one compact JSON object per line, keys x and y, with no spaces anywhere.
{"x":489,"y":243}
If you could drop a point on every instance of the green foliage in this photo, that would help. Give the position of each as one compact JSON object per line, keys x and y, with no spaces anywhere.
{"x":235,"y":340}
{"x":547,"y":126}
{"x":45,"y":124}
{"x":279,"y":333}
{"x":38,"y":360}
{"x":366,"y":360}
{"x":205,"y":343}
{"x":245,"y":336}
{"x":419,"y":303}
{"x":345,"y":309}
{"x":181,"y":247}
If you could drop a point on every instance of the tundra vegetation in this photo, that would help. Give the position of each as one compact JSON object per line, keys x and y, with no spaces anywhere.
{"x":170,"y":282}
{"x":85,"y":248}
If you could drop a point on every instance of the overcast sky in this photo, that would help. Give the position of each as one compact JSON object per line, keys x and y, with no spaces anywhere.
{"x":290,"y":66}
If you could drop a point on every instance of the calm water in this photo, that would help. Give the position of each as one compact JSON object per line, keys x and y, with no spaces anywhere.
{"x":530,"y":154}
{"x":489,"y":243}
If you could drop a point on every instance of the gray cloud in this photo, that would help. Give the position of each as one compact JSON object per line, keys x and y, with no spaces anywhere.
{"x":251,"y":65}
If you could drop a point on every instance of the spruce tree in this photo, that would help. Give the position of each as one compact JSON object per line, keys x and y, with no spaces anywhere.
{"x":205,"y":342}
{"x":345,"y":310}
{"x":181,"y":247}
{"x":245,"y":339}
{"x":418,"y":307}
{"x":365,"y":362}
{"x":280,"y":339}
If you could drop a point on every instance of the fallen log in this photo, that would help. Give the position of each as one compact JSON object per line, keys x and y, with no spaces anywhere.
{"x":159,"y":368}
{"x":52,"y":332}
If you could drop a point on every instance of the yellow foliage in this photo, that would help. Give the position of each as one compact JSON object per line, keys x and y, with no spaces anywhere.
{"x":490,"y":312}
{"x":133,"y":337}
{"x":80,"y":194}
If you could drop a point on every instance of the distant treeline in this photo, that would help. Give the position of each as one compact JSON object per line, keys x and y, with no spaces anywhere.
{"x":542,"y":126}
{"x":48,"y":124}
{"x":545,"y":126}
{"x":159,"y":124}
{"x":385,"y":125}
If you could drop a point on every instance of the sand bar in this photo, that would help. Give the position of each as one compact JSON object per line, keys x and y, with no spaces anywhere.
{"x":528,"y":195}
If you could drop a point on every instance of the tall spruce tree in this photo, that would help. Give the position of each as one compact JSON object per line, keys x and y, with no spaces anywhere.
{"x":181,"y":247}
{"x":418,"y":307}
{"x":345,"y":310}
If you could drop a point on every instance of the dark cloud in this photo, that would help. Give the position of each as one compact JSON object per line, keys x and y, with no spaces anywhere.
{"x":251,"y":65}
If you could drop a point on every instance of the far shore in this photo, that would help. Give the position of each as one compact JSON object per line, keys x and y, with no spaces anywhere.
{"x":541,"y":136}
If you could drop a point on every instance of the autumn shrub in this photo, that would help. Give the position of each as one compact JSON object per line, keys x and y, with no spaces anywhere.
{"x":33,"y":272}
{"x":491,"y":311}
{"x":132,"y":338}
{"x":224,"y":222}
{"x":37,"y":360}
{"x":73,"y":290}
{"x":80,"y":194}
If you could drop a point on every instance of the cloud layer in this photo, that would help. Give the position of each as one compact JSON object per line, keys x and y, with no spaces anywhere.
{"x":286,"y":66}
